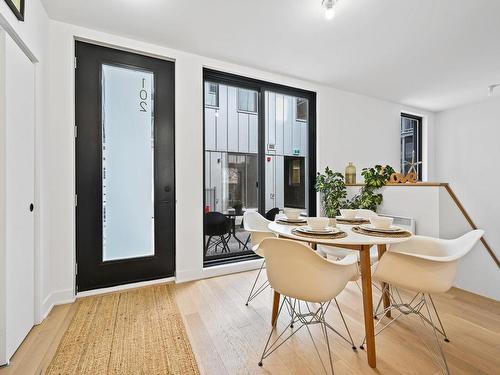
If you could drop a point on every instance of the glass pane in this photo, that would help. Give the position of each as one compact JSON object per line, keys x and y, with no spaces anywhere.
{"x":252,"y":101}
{"x":243,"y":100}
{"x":127,"y":163}
{"x":231,"y":167}
{"x":211,"y":94}
{"x":302,"y":105}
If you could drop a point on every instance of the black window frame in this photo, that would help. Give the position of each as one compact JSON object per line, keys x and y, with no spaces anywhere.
{"x":220,"y":77}
{"x":417,"y":141}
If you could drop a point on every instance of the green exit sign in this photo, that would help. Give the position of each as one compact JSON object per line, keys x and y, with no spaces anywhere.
{"x":296,"y":151}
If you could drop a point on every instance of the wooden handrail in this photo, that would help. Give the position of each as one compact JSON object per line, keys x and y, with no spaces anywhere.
{"x":457,"y":202}
{"x":471,"y":223}
{"x":430,"y":184}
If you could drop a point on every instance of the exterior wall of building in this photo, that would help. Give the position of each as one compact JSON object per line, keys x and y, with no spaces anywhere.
{"x":230,"y":130}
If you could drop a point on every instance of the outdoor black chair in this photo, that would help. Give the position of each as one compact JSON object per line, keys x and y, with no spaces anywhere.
{"x":271,"y":214}
{"x":218,"y":229}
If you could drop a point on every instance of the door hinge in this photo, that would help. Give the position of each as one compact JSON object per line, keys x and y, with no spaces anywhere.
{"x":76,"y":64}
{"x":76,"y":268}
{"x":76,"y":131}
{"x":76,"y":200}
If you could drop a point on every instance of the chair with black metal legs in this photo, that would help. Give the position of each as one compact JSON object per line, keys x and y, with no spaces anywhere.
{"x":308,"y":283}
{"x":256,"y":225}
{"x":271,"y":214}
{"x":218,"y":229}
{"x":424,"y":266}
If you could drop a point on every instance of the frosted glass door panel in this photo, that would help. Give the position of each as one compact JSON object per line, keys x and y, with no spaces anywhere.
{"x":127,"y":163}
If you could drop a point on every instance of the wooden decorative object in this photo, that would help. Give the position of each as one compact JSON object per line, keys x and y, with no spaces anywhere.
{"x":398,"y":178}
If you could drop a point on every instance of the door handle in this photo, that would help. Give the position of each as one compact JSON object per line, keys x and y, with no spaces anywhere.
{"x":32,"y":207}
{"x":168,"y":189}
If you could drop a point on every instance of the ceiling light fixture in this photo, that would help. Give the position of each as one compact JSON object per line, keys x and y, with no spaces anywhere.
{"x":491,"y":88}
{"x":329,"y":8}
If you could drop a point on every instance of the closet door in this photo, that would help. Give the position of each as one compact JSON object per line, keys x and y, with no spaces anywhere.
{"x":20,"y":171}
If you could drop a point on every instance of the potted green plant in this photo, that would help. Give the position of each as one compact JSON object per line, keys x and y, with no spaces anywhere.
{"x":333,"y":192}
{"x":238,"y":208}
{"x":375,"y":178}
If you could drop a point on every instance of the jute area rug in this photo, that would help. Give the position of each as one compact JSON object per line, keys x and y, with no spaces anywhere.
{"x":139,"y":331}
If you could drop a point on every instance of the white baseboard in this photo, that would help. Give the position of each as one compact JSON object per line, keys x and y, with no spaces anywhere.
{"x":124,"y":287}
{"x":224,"y":269}
{"x":59,"y":297}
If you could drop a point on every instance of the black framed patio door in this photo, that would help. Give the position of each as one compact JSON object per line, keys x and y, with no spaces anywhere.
{"x":125,"y":178}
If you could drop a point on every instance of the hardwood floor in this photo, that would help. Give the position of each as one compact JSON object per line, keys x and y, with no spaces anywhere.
{"x":228,"y":337}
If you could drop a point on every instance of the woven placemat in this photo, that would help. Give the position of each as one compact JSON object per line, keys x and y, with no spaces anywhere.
{"x":333,"y":236}
{"x":353,"y":222}
{"x":403,"y":234}
{"x":288,"y":223}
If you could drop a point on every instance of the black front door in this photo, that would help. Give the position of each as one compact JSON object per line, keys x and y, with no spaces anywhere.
{"x":125,"y":180}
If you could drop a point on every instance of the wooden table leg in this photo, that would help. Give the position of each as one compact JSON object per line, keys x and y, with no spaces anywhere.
{"x":387,"y":301}
{"x":366,"y":280}
{"x":276,"y":305}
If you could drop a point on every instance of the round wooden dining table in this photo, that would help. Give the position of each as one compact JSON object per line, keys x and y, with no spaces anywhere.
{"x":353,"y":241}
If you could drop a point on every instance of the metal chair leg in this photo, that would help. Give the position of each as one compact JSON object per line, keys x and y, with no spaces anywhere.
{"x":439,"y":320}
{"x":260,"y":289}
{"x":415,"y":306}
{"x":434,"y":329}
{"x":225,"y":245}
{"x":345,"y":325}
{"x":305,"y":317}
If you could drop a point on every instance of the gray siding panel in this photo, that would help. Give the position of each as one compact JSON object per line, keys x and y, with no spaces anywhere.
{"x":287,"y":125}
{"x":269,"y":194}
{"x":303,"y":139}
{"x":297,"y":133}
{"x":279,"y":188}
{"x":210,"y":131}
{"x":271,"y":120}
{"x":221,"y":120}
{"x":216,"y":177}
{"x":253,"y":128}
{"x":232,"y":127}
{"x":279,"y":124}
{"x":243,"y":132}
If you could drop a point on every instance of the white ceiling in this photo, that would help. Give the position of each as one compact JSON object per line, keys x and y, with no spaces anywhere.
{"x":432,"y":54}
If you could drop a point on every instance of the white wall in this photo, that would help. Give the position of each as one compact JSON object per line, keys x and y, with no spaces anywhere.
{"x":365,"y":131}
{"x":468,"y":157}
{"x":340,"y":114}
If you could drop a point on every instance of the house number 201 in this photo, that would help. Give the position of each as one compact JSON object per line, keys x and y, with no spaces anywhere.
{"x":143,"y":95}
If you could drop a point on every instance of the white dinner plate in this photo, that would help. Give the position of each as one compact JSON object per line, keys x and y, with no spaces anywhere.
{"x":371,"y":228}
{"x":309,"y":230}
{"x":355,"y":219}
{"x":293,"y":220}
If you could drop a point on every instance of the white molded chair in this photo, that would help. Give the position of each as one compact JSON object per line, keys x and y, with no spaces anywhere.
{"x":425,"y":266}
{"x":256,"y":225}
{"x":298,"y":273}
